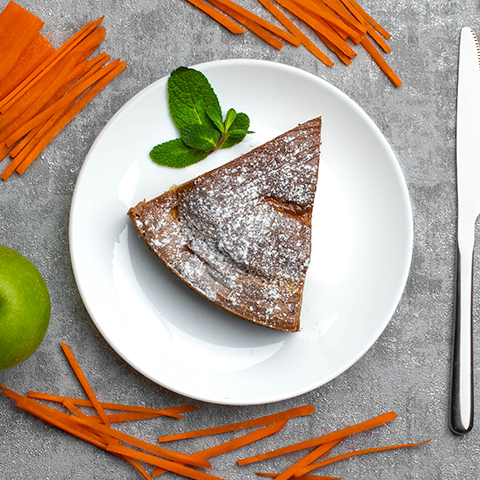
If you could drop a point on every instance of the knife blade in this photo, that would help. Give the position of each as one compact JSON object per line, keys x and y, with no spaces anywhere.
{"x":468,"y":195}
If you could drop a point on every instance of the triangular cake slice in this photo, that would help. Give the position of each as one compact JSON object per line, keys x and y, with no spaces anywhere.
{"x":240,"y":235}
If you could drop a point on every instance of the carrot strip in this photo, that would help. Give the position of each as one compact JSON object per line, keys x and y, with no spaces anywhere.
{"x":76,"y":411}
{"x":183,"y":458}
{"x":4,"y":151}
{"x":61,"y":423}
{"x":33,"y":140}
{"x":69,"y":115}
{"x":287,"y":23}
{"x":370,"y":20}
{"x":343,"y":456}
{"x":84,"y":382}
{"x":350,"y":430}
{"x":29,"y":104}
{"x":234,"y":444}
{"x":25,"y":106}
{"x":49,"y":63}
{"x":319,"y":9}
{"x":92,"y":432}
{"x":287,"y":36}
{"x":308,"y":459}
{"x":36,"y":52}
{"x":216,"y":15}
{"x":378,"y":39}
{"x":87,"y":66}
{"x":380,"y":61}
{"x":246,"y":439}
{"x":353,"y":11}
{"x":126,"y":417}
{"x":346,"y":60}
{"x":254,"y":27}
{"x":18,"y":28}
{"x":171,"y":412}
{"x":73,"y":408}
{"x":319,"y":26}
{"x":53,"y":417}
{"x":160,"y":462}
{"x":79,"y":88}
{"x":338,"y":7}
{"x":256,"y":422}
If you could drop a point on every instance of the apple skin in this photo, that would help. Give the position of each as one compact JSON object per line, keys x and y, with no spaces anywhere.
{"x":24,"y":308}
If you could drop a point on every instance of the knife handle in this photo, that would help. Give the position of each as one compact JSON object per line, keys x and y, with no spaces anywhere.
{"x":461,"y":406}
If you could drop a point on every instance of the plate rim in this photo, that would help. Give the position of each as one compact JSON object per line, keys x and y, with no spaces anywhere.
{"x":406,"y":202}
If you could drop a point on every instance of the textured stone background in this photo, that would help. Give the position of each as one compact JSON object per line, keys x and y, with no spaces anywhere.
{"x":407,"y":369}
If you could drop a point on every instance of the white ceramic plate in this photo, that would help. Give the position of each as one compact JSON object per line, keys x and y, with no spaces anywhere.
{"x":362,"y":244}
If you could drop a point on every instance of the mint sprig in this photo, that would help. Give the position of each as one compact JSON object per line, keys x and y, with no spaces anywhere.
{"x":196,"y":112}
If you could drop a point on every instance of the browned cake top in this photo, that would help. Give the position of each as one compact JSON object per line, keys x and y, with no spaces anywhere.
{"x":240,"y":234}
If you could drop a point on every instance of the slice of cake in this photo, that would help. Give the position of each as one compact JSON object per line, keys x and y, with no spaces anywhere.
{"x":240,"y":235}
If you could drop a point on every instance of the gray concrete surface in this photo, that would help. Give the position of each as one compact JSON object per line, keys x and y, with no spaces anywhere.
{"x":408,"y":368}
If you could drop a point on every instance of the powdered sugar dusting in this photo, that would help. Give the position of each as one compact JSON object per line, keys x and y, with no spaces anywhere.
{"x":240,"y":235}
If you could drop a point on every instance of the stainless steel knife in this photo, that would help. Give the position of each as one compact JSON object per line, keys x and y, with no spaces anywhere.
{"x":468,"y":185}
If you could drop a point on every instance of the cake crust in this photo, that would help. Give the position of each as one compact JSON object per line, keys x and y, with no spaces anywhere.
{"x":240,"y":235}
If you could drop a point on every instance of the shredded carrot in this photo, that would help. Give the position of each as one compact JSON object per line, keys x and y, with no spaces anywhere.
{"x":18,"y":28}
{"x":236,"y":443}
{"x":69,"y":115}
{"x":36,"y":52}
{"x":308,"y":459}
{"x":287,"y":36}
{"x":256,"y":422}
{"x":318,"y":25}
{"x":84,"y":382}
{"x":95,"y":433}
{"x":321,"y":11}
{"x":338,"y":434}
{"x":370,"y":20}
{"x":79,"y":88}
{"x":4,"y":150}
{"x":254,"y":27}
{"x":126,"y":416}
{"x":29,"y":104}
{"x":378,"y":39}
{"x":169,"y":412}
{"x":86,"y":67}
{"x":160,"y":462}
{"x":338,"y":7}
{"x":99,"y":428}
{"x":287,"y":23}
{"x":51,"y":126}
{"x":53,"y":417}
{"x":216,"y":15}
{"x":49,"y":63}
{"x":346,"y":60}
{"x":343,"y":456}
{"x":380,"y":61}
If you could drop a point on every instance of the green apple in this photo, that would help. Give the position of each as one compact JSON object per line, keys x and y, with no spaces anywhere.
{"x":24,"y":308}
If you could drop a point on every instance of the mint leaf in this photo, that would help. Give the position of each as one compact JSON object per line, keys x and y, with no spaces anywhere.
{"x":216,"y":117}
{"x":190,"y":95}
{"x":229,"y":118}
{"x":201,"y":137}
{"x":196,"y":112}
{"x":237,"y":132}
{"x":176,"y":154}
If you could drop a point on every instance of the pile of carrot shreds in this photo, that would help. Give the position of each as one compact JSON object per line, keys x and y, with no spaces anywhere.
{"x":336,"y":23}
{"x":96,"y":428}
{"x":42,"y":88}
